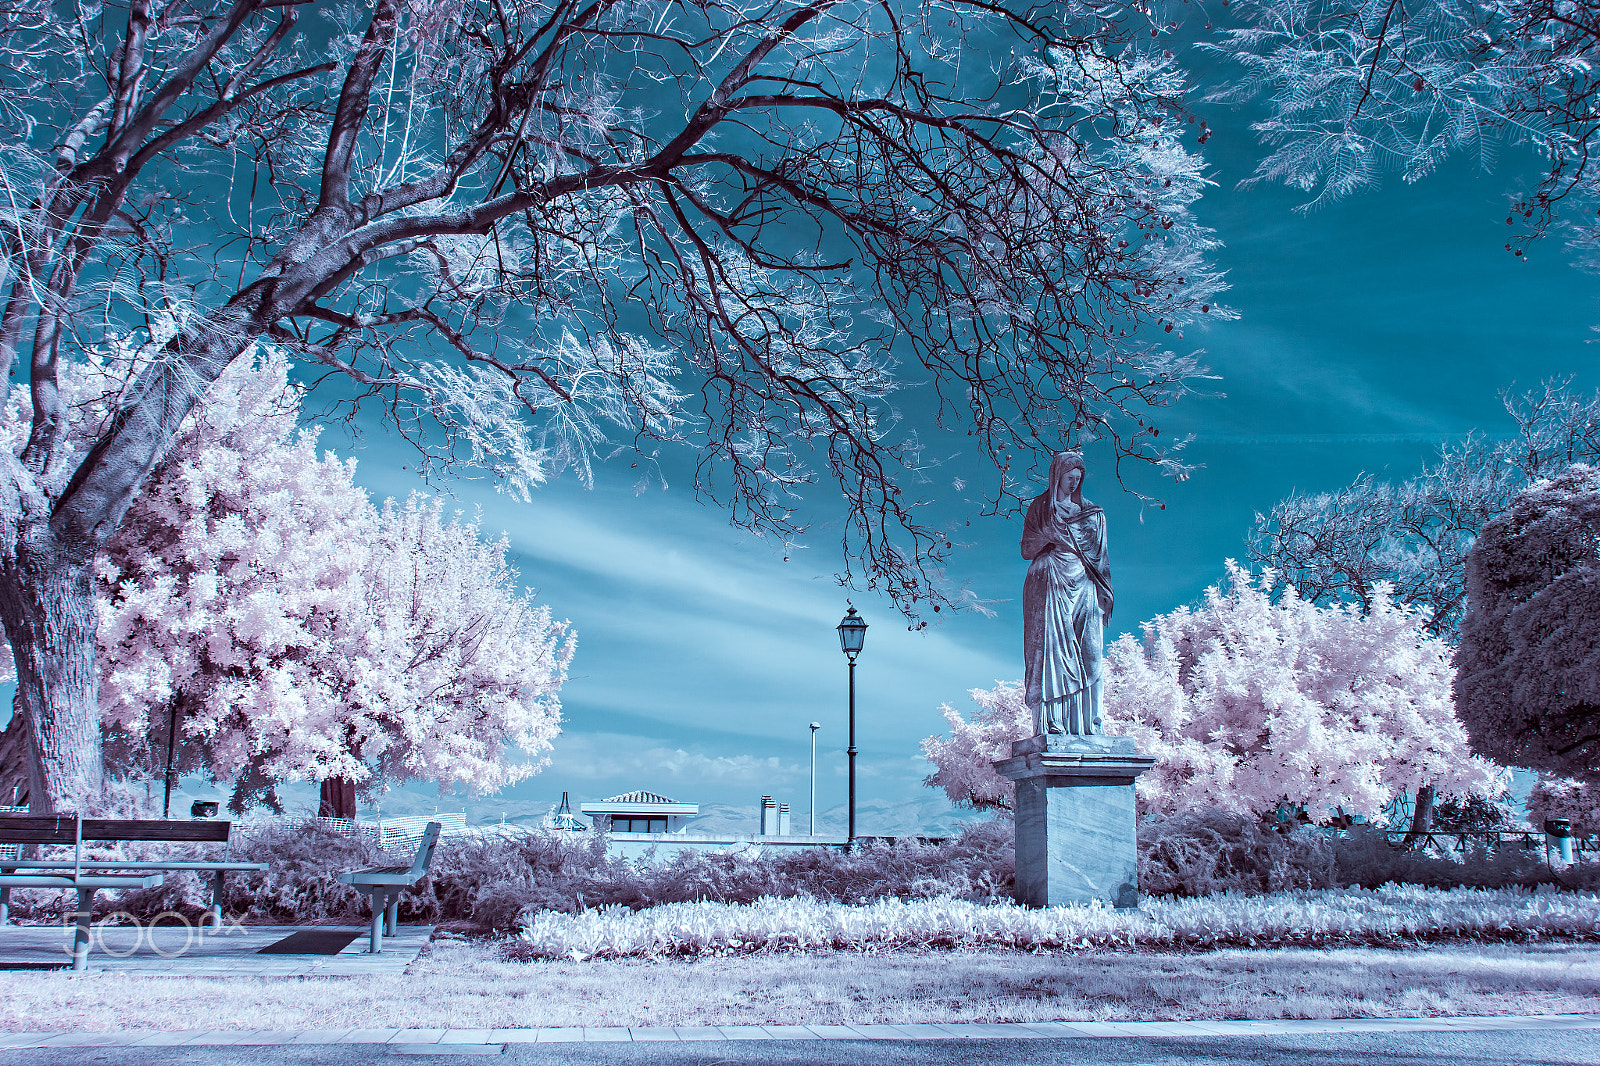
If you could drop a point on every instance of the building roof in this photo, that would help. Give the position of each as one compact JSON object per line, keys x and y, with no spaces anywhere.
{"x":640,"y":802}
{"x":640,"y":796}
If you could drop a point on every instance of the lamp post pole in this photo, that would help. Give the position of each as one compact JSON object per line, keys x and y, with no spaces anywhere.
{"x":171,"y":774}
{"x":814,"y":727}
{"x":850,"y":842}
{"x":852,"y":634}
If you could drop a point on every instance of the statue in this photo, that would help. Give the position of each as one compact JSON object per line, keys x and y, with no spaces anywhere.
{"x":1066,"y":603}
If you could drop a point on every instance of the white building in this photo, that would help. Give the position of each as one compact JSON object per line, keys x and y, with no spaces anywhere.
{"x":640,"y":813}
{"x":644,"y":821}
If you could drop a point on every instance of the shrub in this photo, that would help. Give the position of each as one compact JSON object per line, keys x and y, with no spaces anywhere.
{"x":1391,"y":916}
{"x":1197,"y":853}
{"x":493,"y":880}
{"x":488,"y":880}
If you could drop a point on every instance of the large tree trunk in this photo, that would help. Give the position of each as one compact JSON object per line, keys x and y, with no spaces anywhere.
{"x":16,"y":761}
{"x":338,"y":798}
{"x":1421,"y":817}
{"x":47,"y":605}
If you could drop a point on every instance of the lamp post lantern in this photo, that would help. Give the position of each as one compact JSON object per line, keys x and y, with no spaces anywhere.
{"x":814,"y":727}
{"x":852,"y":634}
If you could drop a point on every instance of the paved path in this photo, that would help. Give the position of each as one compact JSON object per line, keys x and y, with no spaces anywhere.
{"x":444,"y":1039}
{"x":181,"y":951}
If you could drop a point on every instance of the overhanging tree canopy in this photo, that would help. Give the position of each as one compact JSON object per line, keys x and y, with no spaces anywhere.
{"x":743,"y":225}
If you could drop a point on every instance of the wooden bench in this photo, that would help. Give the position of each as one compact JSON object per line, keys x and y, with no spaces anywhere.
{"x":382,"y":886}
{"x":115,"y":873}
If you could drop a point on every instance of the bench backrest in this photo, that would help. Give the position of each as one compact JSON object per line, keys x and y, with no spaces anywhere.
{"x":430,"y":838}
{"x":199,"y":830}
{"x":63,"y":829}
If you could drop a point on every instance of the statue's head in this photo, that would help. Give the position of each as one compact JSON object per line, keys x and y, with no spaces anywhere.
{"x":1063,"y":466}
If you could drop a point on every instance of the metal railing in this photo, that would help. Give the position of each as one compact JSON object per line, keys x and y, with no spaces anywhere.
{"x":11,"y":851}
{"x":1446,"y":843}
{"x":393,"y":834}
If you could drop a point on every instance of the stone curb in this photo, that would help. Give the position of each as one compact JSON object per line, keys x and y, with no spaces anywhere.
{"x":413,"y":1038}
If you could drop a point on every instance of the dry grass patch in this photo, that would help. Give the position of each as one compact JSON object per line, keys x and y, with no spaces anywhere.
{"x":468,"y":985}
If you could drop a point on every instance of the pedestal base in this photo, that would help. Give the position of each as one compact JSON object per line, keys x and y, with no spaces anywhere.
{"x":1076,"y":833}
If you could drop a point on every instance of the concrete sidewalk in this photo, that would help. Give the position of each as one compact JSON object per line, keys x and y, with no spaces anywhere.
{"x":184,"y":951}
{"x":953,"y":1031}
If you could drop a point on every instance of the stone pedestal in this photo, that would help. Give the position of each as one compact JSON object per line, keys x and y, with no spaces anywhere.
{"x":1075,"y":819}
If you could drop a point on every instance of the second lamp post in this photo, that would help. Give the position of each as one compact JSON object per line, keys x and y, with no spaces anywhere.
{"x":852,"y":634}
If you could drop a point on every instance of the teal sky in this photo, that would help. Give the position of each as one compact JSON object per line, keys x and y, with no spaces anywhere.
{"x":1369,"y":331}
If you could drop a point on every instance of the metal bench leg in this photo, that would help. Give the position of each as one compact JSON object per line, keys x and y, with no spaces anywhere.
{"x":377,"y":899}
{"x":80,"y":935}
{"x":216,"y":900}
{"x":391,"y":915}
{"x":5,"y":905}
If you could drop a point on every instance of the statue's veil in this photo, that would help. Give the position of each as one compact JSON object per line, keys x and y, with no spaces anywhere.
{"x":1060,"y":463}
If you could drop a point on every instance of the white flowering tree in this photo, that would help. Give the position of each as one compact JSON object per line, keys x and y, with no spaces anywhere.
{"x":1249,"y":704}
{"x":1528,"y":666}
{"x":521,"y":226}
{"x":295,"y":632}
{"x":964,"y":760}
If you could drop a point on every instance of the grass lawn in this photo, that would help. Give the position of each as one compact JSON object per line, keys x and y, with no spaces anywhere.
{"x":467,"y":985}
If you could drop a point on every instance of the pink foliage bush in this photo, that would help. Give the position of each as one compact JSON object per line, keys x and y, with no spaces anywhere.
{"x":1247,"y":703}
{"x":965,"y":759}
{"x":1578,"y":801}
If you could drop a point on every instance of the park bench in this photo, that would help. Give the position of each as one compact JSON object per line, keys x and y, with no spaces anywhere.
{"x":382,"y":886}
{"x":89,"y":875}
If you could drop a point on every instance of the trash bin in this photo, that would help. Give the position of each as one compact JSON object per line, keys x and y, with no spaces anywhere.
{"x":203,"y":809}
{"x":1558,"y":835}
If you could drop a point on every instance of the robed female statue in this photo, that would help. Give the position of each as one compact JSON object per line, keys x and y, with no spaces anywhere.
{"x":1066,"y":603}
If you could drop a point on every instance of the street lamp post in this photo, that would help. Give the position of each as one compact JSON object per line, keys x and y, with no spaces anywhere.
{"x":852,"y":634}
{"x":814,"y":727}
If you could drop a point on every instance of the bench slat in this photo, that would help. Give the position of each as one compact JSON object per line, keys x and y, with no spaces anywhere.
{"x":82,"y":881}
{"x":125,"y":864}
{"x":49,"y":829}
{"x":37,"y":829}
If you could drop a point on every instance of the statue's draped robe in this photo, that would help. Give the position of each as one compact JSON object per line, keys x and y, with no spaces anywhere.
{"x":1066,"y":600}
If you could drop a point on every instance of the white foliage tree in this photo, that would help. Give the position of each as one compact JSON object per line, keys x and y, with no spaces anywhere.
{"x":296,"y":632}
{"x":1250,"y":705}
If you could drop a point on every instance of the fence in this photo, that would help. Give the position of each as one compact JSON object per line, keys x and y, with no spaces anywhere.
{"x":11,"y":851}
{"x":1445,"y":843}
{"x":392,"y":834}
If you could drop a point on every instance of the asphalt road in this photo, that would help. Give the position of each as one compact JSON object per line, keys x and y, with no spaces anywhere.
{"x":1573,"y":1047}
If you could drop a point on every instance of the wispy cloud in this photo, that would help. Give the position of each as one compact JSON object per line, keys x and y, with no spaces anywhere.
{"x":612,"y":756}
